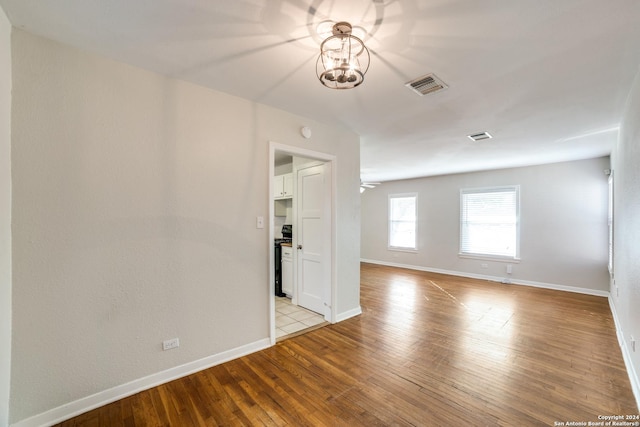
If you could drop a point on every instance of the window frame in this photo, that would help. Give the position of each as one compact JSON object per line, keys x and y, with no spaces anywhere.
{"x":415,"y":222}
{"x":610,"y":224}
{"x":490,"y":256}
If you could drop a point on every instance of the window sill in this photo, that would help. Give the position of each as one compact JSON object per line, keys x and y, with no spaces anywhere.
{"x":511,"y":260}
{"x":408,"y":250}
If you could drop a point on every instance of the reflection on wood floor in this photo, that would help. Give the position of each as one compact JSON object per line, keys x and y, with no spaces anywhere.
{"x":428,"y":350}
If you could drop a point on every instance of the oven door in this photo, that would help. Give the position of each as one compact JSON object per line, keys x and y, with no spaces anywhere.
{"x":277,"y":259}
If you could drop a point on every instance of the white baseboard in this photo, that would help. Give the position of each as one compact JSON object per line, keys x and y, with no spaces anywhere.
{"x":626,"y":355}
{"x":553,"y":286}
{"x":80,"y":406}
{"x":348,"y":314}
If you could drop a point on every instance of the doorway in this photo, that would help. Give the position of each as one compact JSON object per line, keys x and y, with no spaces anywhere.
{"x":313,"y":241}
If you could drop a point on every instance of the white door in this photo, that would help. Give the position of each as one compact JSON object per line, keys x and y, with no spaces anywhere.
{"x":314,"y":238}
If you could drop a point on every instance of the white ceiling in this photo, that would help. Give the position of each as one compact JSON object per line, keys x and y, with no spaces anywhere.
{"x":547,"y":78}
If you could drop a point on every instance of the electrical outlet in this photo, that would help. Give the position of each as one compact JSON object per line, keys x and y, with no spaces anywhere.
{"x":484,"y":265}
{"x":509,"y":268}
{"x":633,"y":344}
{"x":169,"y":344}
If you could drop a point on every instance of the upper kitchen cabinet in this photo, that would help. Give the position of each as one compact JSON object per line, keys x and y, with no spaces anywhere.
{"x":283,"y":186}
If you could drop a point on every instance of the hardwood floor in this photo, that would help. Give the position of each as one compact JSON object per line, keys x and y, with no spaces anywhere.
{"x":428,"y":350}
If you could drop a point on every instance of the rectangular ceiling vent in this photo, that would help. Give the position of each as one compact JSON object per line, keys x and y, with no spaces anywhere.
{"x":426,"y":84}
{"x":479,"y":136}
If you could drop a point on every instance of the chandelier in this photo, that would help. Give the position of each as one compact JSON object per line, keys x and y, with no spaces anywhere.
{"x":343,"y":60}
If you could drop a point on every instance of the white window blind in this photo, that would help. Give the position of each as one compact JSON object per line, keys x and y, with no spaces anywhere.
{"x":402,"y":221}
{"x":489,"y":221}
{"x":610,"y":224}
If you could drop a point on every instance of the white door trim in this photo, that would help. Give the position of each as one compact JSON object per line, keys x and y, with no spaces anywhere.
{"x":330,"y":158}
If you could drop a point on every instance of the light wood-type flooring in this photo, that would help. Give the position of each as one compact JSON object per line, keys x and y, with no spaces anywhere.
{"x":428,"y":350}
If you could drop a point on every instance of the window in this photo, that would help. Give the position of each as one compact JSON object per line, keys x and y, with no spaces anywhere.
{"x":402,"y":221}
{"x":610,"y":223}
{"x":489,"y":222}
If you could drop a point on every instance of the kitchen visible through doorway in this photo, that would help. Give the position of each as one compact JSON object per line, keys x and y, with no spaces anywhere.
{"x":291,"y":320}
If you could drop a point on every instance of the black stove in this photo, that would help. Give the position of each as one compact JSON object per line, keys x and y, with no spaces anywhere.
{"x":286,"y":238}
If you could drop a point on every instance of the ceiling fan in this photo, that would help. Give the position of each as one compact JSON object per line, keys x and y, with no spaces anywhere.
{"x":365,"y":185}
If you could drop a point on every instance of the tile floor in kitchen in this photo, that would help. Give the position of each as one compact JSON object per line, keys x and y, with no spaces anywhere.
{"x":291,"y":319}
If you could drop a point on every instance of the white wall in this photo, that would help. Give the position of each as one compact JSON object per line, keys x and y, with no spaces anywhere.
{"x":563,"y":209}
{"x":134,"y":206}
{"x":5,"y":216}
{"x":626,"y":299}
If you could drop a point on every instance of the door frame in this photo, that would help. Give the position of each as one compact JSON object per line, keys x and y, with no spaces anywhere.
{"x":315,"y":155}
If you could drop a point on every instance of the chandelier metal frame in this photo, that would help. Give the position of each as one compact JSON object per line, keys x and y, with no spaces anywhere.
{"x":344,"y":59}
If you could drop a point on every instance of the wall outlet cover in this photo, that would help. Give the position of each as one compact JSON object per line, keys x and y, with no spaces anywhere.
{"x":169,"y":344}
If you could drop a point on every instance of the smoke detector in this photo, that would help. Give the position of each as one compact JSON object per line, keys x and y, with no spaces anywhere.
{"x":426,"y":84}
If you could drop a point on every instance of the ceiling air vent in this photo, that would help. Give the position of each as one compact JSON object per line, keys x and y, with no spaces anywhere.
{"x":426,"y":84}
{"x":479,"y":136}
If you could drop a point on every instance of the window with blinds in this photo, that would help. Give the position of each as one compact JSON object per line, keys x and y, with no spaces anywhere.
{"x":489,"y":222}
{"x":610,"y":224}
{"x":402,"y":221}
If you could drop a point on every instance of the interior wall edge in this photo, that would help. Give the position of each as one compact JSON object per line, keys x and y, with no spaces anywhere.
{"x":6,"y":277}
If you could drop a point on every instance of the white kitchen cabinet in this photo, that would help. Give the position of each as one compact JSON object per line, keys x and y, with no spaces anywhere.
{"x":287,"y":270}
{"x":283,"y":186}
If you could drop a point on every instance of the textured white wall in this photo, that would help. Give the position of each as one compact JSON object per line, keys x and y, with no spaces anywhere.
{"x":5,"y":215}
{"x":625,"y":161}
{"x":135,"y":198}
{"x":563,"y":230}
